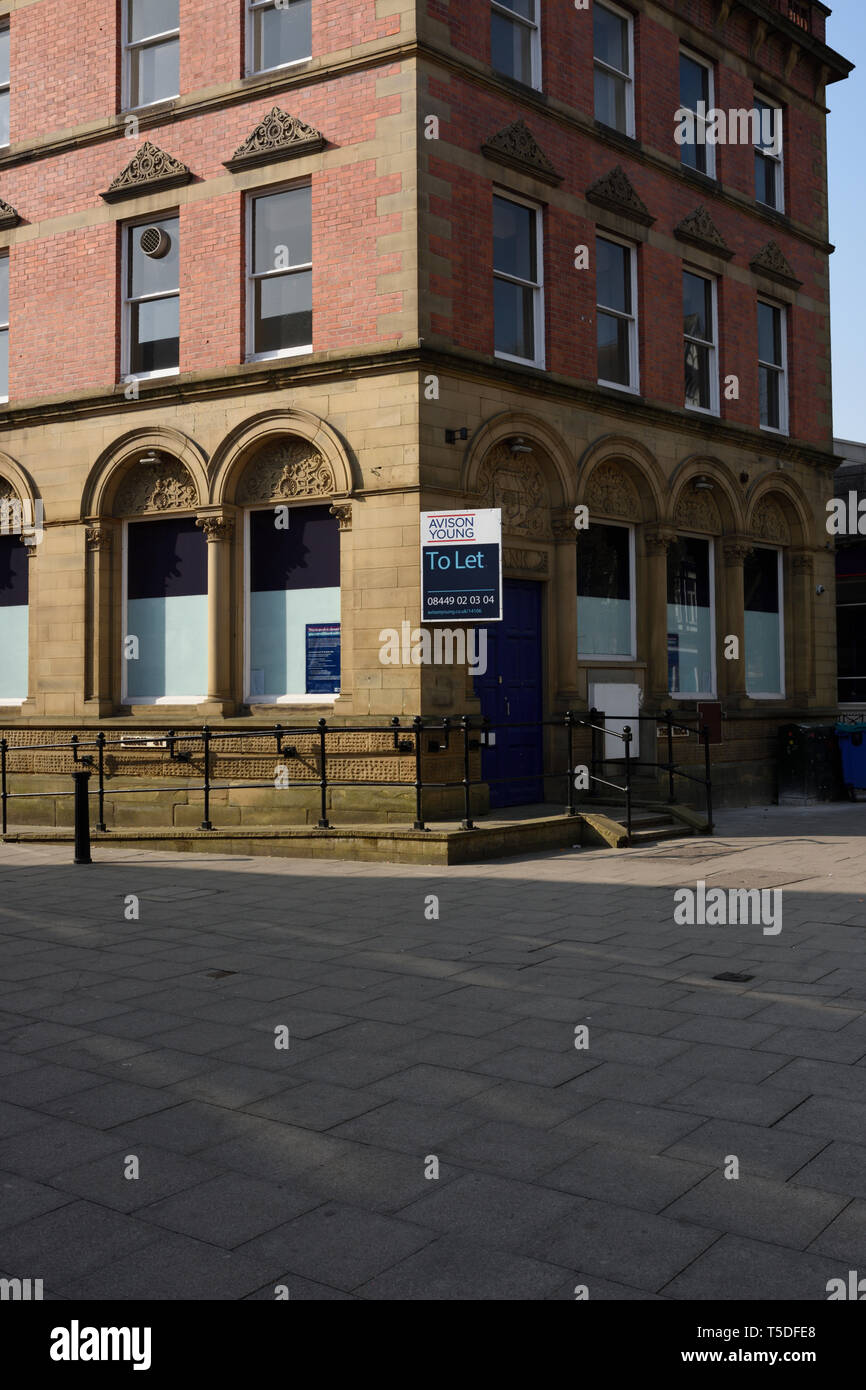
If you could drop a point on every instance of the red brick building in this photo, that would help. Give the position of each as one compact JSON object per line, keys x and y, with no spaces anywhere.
{"x":267,"y":253}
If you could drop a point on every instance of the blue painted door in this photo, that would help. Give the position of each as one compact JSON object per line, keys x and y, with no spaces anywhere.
{"x":511,"y":690}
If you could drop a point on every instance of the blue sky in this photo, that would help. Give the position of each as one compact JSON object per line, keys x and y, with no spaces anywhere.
{"x":846,"y":32}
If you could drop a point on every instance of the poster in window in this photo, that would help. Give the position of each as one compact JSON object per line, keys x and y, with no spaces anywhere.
{"x":323,"y":658}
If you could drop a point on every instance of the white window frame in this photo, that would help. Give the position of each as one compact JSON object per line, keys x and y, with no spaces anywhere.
{"x":251,"y":276}
{"x":126,"y":372}
{"x":711,"y":566}
{"x":536,"y":286}
{"x":710,"y":172}
{"x":6,"y":87}
{"x":628,"y":77}
{"x":249,"y":699}
{"x":4,"y":327}
{"x":774,"y":694}
{"x":534,"y":25}
{"x":125,"y":698}
{"x":633,"y":388}
{"x":604,"y":658}
{"x":715,"y":406}
{"x":253,"y":7}
{"x":130,"y":47}
{"x":782,"y":371}
{"x":777,"y":160}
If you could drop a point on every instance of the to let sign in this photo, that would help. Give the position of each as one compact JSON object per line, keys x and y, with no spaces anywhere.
{"x":461,"y":566}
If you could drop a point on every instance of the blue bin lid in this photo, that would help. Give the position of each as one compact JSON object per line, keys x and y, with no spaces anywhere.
{"x":851,"y":728}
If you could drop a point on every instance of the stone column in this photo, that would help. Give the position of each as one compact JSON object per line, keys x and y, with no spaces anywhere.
{"x":800,"y":632}
{"x":102,"y":655}
{"x":656,"y":544}
{"x":732,"y":674}
{"x":564,"y":608}
{"x":218,"y":527}
{"x":343,"y":512}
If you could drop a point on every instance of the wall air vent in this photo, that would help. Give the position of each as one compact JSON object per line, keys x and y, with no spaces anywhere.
{"x":154,"y":242}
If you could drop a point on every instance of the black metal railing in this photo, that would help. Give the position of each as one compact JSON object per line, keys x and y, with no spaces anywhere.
{"x":466,"y":735}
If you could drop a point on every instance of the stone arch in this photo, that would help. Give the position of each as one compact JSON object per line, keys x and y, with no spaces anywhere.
{"x":16,"y":483}
{"x":119,"y":485}
{"x":619,"y":477}
{"x":780,"y":514}
{"x":717,"y":512}
{"x":280,"y":454}
{"x":488,"y":452}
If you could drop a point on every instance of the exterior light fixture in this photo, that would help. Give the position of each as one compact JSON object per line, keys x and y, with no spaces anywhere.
{"x":451,"y":436}
{"x":702,"y":485}
{"x":520,"y":446}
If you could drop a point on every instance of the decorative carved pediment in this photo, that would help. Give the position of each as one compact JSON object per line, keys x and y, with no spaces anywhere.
{"x":696,"y":511}
{"x":612,"y":493}
{"x":773,"y":262}
{"x":615,"y":192}
{"x":9,"y":217}
{"x":699,"y":229}
{"x":284,"y":469}
{"x":517,"y":147}
{"x":769,"y":522}
{"x":149,"y":170}
{"x":515,"y":483}
{"x":277,"y":136}
{"x":156,"y":487}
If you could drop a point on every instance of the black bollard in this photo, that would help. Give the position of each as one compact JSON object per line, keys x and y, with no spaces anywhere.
{"x":82,"y":818}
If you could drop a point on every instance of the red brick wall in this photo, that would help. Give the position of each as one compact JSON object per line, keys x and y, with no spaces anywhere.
{"x":471,"y":115}
{"x":75,"y":272}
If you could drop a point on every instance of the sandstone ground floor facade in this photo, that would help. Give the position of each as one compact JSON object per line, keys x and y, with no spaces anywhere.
{"x":234,"y":554}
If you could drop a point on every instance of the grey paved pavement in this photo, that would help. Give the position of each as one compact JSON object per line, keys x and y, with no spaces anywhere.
{"x":156,"y":1142}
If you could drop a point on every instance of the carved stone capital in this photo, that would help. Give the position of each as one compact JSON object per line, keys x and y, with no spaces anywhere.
{"x":658,"y":542}
{"x":803,"y":563}
{"x":216,"y":527}
{"x":343,"y":512}
{"x":98,"y":536}
{"x":562,"y":524}
{"x":736,"y":552}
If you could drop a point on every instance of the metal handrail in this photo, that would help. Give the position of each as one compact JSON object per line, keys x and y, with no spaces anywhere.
{"x":407,"y":739}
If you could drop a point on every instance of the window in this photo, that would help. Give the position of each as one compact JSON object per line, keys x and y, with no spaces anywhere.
{"x":699,"y":338}
{"x":514,"y":40}
{"x":152,"y":47}
{"x":772,"y":367}
{"x":605,"y":592}
{"x":152,"y":298}
{"x":4,"y":328}
{"x":616,"y":319}
{"x":765,"y":661}
{"x":165,"y":611}
{"x":4,"y":84}
{"x":769,"y":181}
{"x":280,"y":285}
{"x":293,"y":587}
{"x":518,"y":307}
{"x":614,"y":63}
{"x":691,"y":619}
{"x":278,"y":34}
{"x":14,"y":580}
{"x":696,"y":95}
